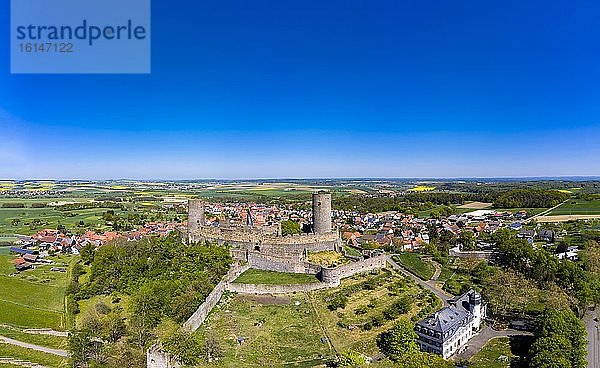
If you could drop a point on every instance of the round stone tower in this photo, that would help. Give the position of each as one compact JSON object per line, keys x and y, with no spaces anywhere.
{"x":321,"y":202}
{"x":195,"y":216}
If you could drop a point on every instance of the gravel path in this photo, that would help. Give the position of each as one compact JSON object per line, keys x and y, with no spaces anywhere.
{"x":62,"y":353}
{"x":429,"y":285}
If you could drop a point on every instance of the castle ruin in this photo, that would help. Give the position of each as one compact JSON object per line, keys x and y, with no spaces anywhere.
{"x":265,"y":248}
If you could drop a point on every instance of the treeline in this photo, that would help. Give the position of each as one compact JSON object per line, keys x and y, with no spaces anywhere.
{"x":164,"y":280}
{"x":88,"y":205}
{"x":538,"y":264}
{"x":530,"y":198}
{"x":445,"y":198}
{"x":13,"y":205}
{"x":411,"y":203}
{"x":123,"y":222}
{"x":559,"y":341}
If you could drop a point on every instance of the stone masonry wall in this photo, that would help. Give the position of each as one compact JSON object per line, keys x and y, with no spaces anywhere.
{"x":213,"y":298}
{"x":369,"y":264}
{"x":331,"y":278}
{"x":158,"y":358}
{"x":245,"y":235}
{"x":482,"y":254}
{"x":278,"y":289}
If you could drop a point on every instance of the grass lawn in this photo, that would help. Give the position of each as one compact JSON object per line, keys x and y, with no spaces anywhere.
{"x":578,"y":207}
{"x":370,"y":296}
{"x":413,"y":262}
{"x":287,"y":330}
{"x":33,"y":298}
{"x":351,"y":251}
{"x":446,"y":274}
{"x":328,"y":258}
{"x":274,"y":333}
{"x":488,"y":356}
{"x":48,"y":360}
{"x":253,"y":276}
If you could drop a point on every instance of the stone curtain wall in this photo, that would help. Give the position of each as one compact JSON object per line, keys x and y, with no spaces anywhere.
{"x":332,"y":278}
{"x":237,"y":235}
{"x":292,"y":264}
{"x":483,"y":254}
{"x":213,"y":298}
{"x":278,"y":289}
{"x":332,"y":274}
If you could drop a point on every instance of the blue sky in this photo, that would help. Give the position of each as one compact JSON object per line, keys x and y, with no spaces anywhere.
{"x":258,"y":89}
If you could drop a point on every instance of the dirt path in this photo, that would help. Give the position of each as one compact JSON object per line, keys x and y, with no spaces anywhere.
{"x":62,"y":353}
{"x":565,"y":218}
{"x":541,"y":214}
{"x":429,"y":285}
{"x":438,"y":270}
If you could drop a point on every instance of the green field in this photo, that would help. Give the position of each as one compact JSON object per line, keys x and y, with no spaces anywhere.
{"x":578,"y":207}
{"x":253,"y":276}
{"x":301,"y":330}
{"x":33,"y":298}
{"x":48,"y":217}
{"x":413,"y":262}
{"x":47,"y":360}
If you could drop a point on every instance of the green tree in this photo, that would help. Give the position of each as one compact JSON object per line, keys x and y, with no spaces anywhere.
{"x":351,"y":358}
{"x":85,"y":349}
{"x":87,"y":253}
{"x":468,"y":240}
{"x":185,"y":347}
{"x":399,"y":344}
{"x":561,"y":334}
{"x":289,"y":227}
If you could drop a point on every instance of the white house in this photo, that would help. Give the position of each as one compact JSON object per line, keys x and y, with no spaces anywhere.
{"x":446,"y":331}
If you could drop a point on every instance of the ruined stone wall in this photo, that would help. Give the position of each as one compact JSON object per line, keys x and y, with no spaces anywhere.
{"x":312,"y":268}
{"x":369,"y":264}
{"x":331,"y":277}
{"x":278,"y":289}
{"x":236,"y":235}
{"x":213,"y":298}
{"x":158,"y":358}
{"x":482,"y":254}
{"x":268,"y":262}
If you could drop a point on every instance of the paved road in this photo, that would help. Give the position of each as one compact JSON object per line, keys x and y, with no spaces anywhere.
{"x":62,"y":353}
{"x":430,"y":285}
{"x":486,"y":334}
{"x":593,"y":336}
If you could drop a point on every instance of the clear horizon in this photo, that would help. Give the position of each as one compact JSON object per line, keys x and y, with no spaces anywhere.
{"x":310,"y":90}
